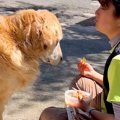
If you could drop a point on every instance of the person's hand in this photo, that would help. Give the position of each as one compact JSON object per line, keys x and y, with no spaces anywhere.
{"x":85,"y":69}
{"x":83,"y":105}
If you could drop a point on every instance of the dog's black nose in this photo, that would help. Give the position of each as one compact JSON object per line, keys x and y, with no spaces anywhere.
{"x":61,"y":58}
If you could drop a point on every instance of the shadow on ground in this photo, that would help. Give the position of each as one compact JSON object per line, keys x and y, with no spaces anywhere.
{"x":24,"y":5}
{"x":87,"y":22}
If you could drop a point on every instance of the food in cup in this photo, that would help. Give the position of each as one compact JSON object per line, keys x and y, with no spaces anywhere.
{"x":72,"y":97}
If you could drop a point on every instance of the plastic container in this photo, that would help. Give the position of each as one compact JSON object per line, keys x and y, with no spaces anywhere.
{"x":72,"y":97}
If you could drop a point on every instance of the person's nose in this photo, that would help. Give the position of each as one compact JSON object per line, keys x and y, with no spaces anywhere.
{"x":97,"y":11}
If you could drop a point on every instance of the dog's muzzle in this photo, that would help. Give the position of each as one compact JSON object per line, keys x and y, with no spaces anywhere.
{"x":55,"y":57}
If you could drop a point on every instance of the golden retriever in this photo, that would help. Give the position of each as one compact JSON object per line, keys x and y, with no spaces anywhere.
{"x":27,"y":38}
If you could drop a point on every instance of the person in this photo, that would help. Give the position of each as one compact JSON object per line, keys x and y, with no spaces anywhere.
{"x":105,"y":104}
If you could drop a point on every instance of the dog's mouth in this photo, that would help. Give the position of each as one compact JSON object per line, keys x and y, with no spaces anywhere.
{"x":53,"y":58}
{"x":55,"y":62}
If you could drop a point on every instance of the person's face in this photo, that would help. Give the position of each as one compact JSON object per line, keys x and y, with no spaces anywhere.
{"x":106,"y":22}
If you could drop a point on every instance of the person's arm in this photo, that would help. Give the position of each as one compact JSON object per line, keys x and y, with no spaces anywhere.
{"x":97,"y":77}
{"x":97,"y":115}
{"x":88,"y":71}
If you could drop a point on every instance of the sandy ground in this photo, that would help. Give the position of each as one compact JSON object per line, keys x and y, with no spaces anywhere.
{"x":80,"y":40}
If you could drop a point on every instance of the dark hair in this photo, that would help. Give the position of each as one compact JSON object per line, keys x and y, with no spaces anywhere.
{"x":116,"y":3}
{"x":105,"y":3}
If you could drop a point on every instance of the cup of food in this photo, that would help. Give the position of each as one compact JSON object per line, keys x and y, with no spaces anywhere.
{"x":72,"y":97}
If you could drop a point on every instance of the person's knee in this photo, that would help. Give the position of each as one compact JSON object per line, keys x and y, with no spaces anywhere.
{"x":74,"y":81}
{"x":45,"y":115}
{"x":53,"y":113}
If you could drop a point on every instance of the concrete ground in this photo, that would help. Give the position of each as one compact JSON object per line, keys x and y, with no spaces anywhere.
{"x":80,"y":40}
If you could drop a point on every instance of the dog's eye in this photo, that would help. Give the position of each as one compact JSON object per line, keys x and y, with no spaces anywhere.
{"x":45,"y":46}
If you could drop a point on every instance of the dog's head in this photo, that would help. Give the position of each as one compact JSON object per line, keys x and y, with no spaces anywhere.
{"x":38,"y":34}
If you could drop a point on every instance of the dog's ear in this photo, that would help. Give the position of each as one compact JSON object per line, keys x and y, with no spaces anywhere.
{"x":35,"y":36}
{"x":30,"y":28}
{"x":22,"y":18}
{"x":40,"y":32}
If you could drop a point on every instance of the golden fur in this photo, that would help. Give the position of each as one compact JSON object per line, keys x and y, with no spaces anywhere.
{"x":27,"y":39}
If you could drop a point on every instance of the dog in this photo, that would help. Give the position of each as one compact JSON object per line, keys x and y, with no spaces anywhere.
{"x":28,"y":38}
